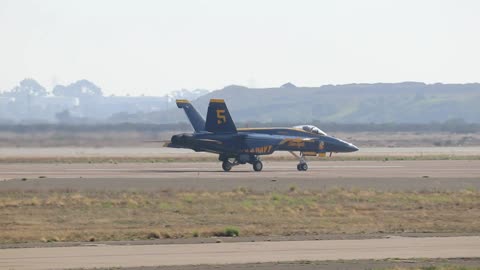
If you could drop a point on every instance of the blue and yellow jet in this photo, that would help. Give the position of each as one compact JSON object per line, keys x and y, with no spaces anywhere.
{"x":236,"y":146}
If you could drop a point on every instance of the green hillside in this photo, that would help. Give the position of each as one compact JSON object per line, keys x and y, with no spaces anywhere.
{"x":408,"y":102}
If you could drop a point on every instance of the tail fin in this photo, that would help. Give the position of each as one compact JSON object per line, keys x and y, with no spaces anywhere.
{"x":195,"y":118}
{"x":218,"y":118}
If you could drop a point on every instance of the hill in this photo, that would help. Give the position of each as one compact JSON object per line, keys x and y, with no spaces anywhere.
{"x":407,"y":102}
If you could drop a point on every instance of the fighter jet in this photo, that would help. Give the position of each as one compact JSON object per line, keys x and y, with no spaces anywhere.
{"x":237,"y":146}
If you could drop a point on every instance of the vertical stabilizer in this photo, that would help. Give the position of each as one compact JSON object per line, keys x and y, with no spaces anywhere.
{"x":195,"y":118}
{"x":218,"y":118}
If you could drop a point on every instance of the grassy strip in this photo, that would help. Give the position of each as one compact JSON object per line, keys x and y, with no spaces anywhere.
{"x":214,"y":158}
{"x":433,"y":267}
{"x":93,"y":216}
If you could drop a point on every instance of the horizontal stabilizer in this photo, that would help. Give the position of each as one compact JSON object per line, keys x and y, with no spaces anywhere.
{"x":210,"y":141}
{"x":171,"y":145}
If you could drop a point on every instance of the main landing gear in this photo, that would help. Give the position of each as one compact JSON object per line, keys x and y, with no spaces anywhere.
{"x":302,"y":165}
{"x":227,"y":164}
{"x":257,"y":165}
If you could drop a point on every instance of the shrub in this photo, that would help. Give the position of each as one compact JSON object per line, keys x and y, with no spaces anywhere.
{"x":228,"y":232}
{"x":231,"y":232}
{"x":153,"y":235}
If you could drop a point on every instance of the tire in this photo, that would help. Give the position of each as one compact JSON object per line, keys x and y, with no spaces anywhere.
{"x":304,"y":166}
{"x":298,"y":167}
{"x":226,"y":166}
{"x":257,"y":166}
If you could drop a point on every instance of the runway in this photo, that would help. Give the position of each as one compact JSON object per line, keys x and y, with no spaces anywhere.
{"x":239,"y":253}
{"x":347,"y":169}
{"x":277,"y":175}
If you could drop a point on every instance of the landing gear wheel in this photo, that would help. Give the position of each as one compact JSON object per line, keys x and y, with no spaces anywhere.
{"x":302,"y":167}
{"x":227,"y":166}
{"x":257,"y":166}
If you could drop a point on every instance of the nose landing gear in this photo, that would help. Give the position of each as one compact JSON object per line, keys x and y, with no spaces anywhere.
{"x":302,"y":165}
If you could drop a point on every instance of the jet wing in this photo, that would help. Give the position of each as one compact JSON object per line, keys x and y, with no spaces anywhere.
{"x":171,"y":145}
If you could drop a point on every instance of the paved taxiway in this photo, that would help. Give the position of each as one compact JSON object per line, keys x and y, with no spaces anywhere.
{"x":390,"y":175}
{"x":229,"y":253}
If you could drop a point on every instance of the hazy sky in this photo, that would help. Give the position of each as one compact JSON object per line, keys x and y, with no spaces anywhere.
{"x":153,"y":47}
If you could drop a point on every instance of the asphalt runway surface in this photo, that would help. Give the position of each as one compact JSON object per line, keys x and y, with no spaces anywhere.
{"x":277,"y":175}
{"x":238,"y":253}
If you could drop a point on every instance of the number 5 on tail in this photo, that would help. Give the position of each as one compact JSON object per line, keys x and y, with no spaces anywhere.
{"x":221,"y":119}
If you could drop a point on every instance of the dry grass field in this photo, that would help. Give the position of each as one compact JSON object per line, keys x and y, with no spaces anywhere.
{"x":67,"y":215}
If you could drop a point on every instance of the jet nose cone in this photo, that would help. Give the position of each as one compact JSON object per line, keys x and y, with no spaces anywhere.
{"x":344,"y":146}
{"x":352,"y":148}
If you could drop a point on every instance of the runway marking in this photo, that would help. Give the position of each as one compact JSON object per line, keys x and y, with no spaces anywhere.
{"x":239,"y":253}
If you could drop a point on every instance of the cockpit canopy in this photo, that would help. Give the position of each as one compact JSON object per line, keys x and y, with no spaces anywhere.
{"x":311,"y":129}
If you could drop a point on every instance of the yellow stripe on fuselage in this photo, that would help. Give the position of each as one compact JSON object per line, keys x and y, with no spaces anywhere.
{"x":182,"y":101}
